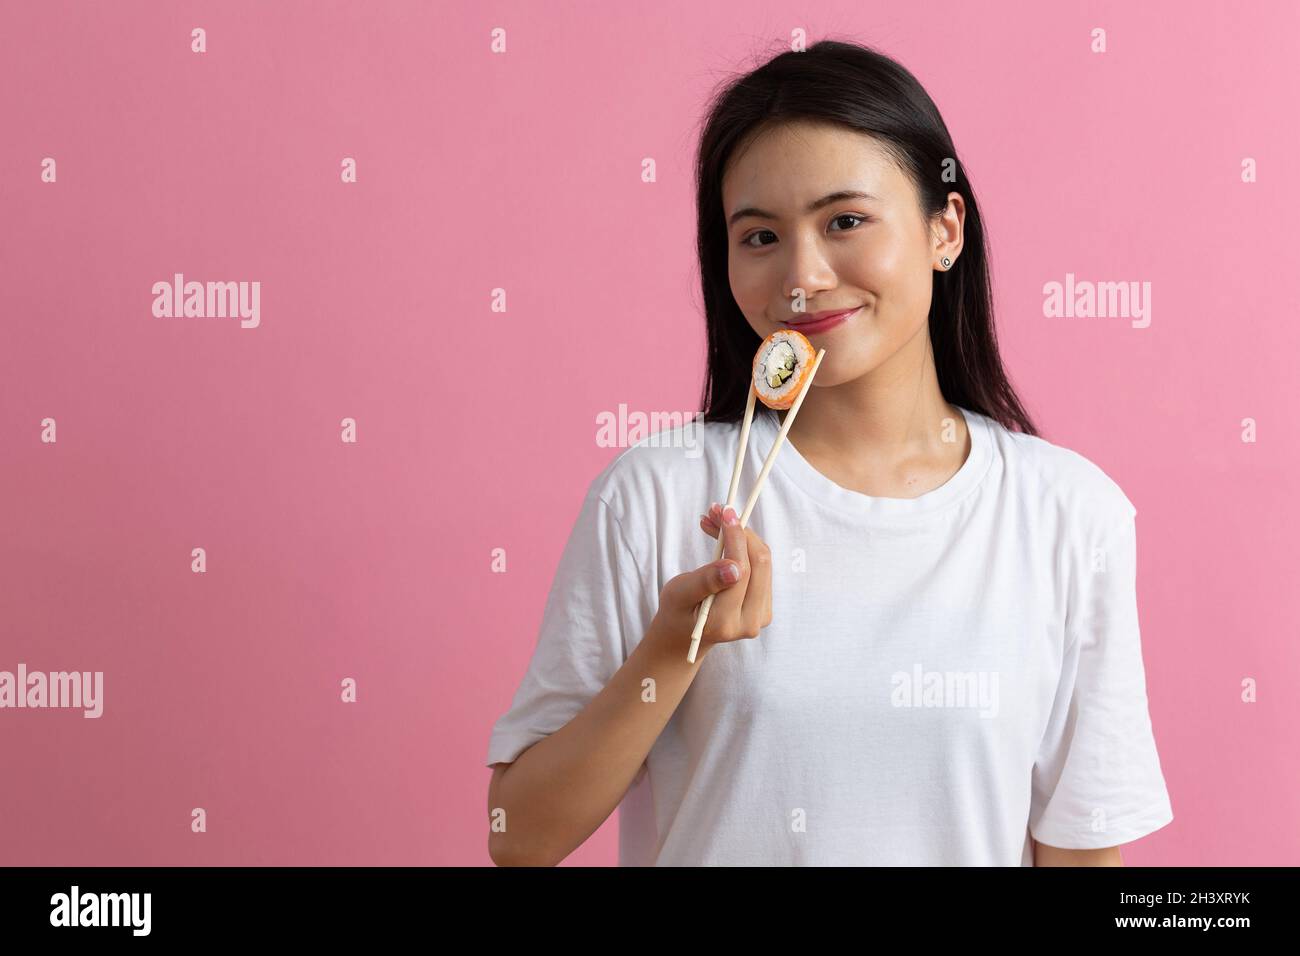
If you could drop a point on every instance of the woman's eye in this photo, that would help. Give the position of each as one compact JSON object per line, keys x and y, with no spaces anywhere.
{"x":853,"y":218}
{"x":848,"y":215}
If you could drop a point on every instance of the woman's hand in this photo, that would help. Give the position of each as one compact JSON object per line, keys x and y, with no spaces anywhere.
{"x":742,"y":607}
{"x":744,"y":610}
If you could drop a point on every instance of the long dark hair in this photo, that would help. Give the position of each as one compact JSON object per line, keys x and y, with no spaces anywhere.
{"x":864,"y":90}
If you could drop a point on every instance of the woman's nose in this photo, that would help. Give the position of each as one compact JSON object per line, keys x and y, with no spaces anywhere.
{"x":809,"y":271}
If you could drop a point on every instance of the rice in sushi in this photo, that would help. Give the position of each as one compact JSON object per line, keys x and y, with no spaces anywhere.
{"x":781,"y":366}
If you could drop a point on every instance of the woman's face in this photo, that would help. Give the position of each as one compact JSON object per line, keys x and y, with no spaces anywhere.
{"x":877,"y":253}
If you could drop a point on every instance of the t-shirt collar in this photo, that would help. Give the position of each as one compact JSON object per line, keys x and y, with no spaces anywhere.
{"x":800,"y":472}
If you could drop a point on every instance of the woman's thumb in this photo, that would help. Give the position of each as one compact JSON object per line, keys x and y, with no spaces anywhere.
{"x":720,"y":575}
{"x":689,"y":588}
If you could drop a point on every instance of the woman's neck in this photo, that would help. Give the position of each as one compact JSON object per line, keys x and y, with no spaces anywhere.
{"x":888,"y":438}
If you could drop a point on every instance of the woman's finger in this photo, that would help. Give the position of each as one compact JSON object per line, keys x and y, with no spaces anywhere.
{"x":711,"y":520}
{"x":757,"y":606}
{"x":728,"y":604}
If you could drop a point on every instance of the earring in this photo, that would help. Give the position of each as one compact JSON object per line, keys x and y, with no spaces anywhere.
{"x":946,"y":262}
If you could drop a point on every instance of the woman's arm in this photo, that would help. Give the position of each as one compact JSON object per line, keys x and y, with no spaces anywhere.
{"x":1045,"y":855}
{"x":562,"y":788}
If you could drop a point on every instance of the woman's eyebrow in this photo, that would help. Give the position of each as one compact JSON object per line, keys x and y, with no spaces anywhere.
{"x":812,"y":206}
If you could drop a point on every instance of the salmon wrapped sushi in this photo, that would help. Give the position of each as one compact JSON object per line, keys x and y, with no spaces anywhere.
{"x":781,"y":366}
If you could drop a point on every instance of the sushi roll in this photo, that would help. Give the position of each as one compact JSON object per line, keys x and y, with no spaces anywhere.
{"x":781,"y":366}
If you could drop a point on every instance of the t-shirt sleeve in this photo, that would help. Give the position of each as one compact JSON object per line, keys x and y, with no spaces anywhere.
{"x":597,"y":608}
{"x":1097,"y":780}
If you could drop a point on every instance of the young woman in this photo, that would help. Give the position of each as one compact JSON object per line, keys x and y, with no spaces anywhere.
{"x":930,"y":653}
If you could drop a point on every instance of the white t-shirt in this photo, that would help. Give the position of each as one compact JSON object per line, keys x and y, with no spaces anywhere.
{"x":943,"y":676}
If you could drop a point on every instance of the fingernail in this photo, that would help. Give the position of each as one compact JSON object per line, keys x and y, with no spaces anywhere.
{"x":730,"y":573}
{"x":729,"y":516}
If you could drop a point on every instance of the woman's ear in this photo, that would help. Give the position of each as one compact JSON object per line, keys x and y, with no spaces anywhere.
{"x":948,"y":230}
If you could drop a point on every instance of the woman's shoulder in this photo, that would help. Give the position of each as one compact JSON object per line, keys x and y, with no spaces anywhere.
{"x":676,"y":465}
{"x":1061,"y":477}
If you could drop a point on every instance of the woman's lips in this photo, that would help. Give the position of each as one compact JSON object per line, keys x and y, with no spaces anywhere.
{"x":821,"y":325}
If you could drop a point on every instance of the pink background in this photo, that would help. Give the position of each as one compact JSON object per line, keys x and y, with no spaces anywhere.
{"x":522,"y":171}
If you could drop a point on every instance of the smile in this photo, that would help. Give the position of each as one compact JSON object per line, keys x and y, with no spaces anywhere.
{"x":823,"y":325}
